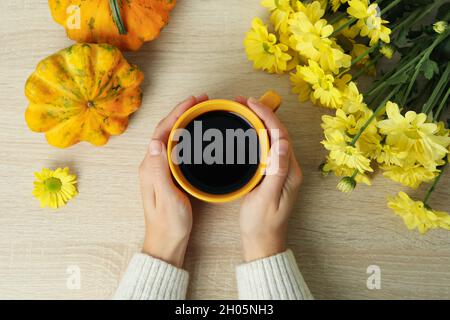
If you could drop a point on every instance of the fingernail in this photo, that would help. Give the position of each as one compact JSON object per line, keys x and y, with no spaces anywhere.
{"x":155,"y":147}
{"x":253,"y":100}
{"x":202,"y":96}
{"x":283,"y":147}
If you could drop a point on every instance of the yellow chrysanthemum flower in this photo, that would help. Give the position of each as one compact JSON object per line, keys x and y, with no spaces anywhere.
{"x":300,"y":86}
{"x":413,"y":134}
{"x":311,"y":40}
{"x":281,"y":9}
{"x":322,"y":85}
{"x":391,"y":155}
{"x":344,"y":171}
{"x":416,"y":215}
{"x":344,"y":154}
{"x":369,"y":142}
{"x":262,"y":48}
{"x":314,"y":10}
{"x":411,"y":176}
{"x":369,"y":21}
{"x":341,"y":122}
{"x":54,"y":188}
{"x":352,"y":99}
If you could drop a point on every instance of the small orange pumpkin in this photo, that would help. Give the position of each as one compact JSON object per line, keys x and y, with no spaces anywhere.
{"x":126,"y":24}
{"x":83,"y":93}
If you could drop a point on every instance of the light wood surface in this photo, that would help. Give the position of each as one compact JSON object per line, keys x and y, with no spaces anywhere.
{"x":335,"y":237}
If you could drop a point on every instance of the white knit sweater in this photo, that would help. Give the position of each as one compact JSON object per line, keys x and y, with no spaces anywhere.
{"x":276,"y":277}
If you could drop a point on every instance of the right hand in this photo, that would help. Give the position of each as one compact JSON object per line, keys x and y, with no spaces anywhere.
{"x":265,"y":210}
{"x":167,"y":209}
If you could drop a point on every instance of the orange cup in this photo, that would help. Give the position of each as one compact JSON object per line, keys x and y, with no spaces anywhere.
{"x":271,"y":99}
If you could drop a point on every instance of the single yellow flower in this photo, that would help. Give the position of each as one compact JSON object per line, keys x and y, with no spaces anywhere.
{"x":391,"y":155}
{"x":54,"y":188}
{"x":369,"y":142}
{"x":416,"y":215}
{"x":369,"y":21}
{"x":344,"y":171}
{"x":262,"y":48}
{"x":314,"y":10}
{"x":344,"y":154}
{"x":281,"y":9}
{"x":361,"y":9}
{"x":311,"y":40}
{"x":322,"y":85}
{"x":413,"y":134}
{"x":352,"y":99}
{"x":409,"y":175}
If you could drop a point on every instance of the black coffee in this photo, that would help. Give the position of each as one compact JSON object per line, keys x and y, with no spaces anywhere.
{"x":226,"y":169}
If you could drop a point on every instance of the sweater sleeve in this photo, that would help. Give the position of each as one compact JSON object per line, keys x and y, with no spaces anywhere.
{"x":148,"y":278}
{"x":273,"y":278}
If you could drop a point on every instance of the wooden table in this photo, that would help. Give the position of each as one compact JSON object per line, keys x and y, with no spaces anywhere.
{"x":335,"y":237}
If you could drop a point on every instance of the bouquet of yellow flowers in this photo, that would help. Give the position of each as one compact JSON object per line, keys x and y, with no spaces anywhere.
{"x":396,"y":125}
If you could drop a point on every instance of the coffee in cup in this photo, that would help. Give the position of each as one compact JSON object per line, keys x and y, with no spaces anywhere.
{"x":218,"y":149}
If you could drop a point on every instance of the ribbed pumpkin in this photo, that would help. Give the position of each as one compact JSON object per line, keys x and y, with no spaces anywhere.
{"x":126,"y":24}
{"x":83,"y":93}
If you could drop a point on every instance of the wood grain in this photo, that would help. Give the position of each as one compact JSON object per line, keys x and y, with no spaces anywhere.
{"x":335,"y":237}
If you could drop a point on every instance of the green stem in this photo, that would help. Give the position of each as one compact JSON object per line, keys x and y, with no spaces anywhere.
{"x":345,"y":25}
{"x":390,"y":6}
{"x":417,"y":15}
{"x":117,"y":16}
{"x":411,"y":17}
{"x":375,"y":98}
{"x":338,"y":18}
{"x":374,"y":115}
{"x":428,"y":106}
{"x":365,"y":53}
{"x":437,"y":115}
{"x":358,"y":59}
{"x":424,"y":58}
{"x":355,"y":173}
{"x":433,"y":186}
{"x":403,"y":69}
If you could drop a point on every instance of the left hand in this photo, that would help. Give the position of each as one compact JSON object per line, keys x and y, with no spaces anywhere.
{"x":167,"y":209}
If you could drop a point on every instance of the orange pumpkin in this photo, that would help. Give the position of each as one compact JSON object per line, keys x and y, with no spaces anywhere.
{"x":83,"y":93}
{"x":124,"y":24}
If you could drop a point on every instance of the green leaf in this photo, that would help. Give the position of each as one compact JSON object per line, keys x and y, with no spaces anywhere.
{"x":429,"y":69}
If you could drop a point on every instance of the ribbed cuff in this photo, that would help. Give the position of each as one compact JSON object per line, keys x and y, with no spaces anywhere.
{"x":272,"y":278}
{"x":148,"y":278}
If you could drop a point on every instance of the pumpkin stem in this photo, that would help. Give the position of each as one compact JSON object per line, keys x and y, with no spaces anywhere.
{"x":115,"y":9}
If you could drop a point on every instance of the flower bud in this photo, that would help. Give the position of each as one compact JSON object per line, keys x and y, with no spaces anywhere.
{"x":347,"y":184}
{"x":440,"y":26}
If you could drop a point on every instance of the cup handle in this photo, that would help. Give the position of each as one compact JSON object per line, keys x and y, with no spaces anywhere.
{"x":271,"y":99}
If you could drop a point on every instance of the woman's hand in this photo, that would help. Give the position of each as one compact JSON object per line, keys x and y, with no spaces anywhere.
{"x":167,"y":210}
{"x":265,"y":211}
